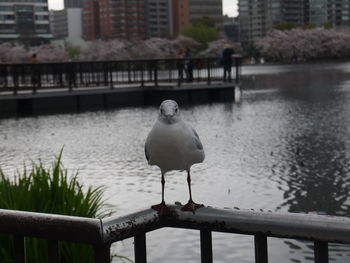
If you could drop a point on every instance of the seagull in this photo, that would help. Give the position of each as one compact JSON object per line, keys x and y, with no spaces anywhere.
{"x":173,"y":145}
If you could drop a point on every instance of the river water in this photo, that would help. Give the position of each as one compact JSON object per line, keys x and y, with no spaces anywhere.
{"x":283,"y":147}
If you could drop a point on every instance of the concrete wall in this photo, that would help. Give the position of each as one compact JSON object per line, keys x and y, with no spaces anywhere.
{"x":70,"y":102}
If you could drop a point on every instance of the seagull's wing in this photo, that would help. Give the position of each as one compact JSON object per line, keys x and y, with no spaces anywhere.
{"x":146,"y":153}
{"x":198,"y":142}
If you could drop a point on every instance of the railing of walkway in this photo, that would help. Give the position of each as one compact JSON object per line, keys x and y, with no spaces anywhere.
{"x":102,"y":233}
{"x":75,"y":75}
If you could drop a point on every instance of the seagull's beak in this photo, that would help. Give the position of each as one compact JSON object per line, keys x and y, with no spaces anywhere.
{"x":169,"y":118}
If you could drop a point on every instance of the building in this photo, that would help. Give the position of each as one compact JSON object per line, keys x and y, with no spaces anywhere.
{"x":111,"y":19}
{"x":181,"y":15}
{"x":58,"y":24}
{"x":141,"y":19}
{"x":26,"y":21}
{"x":257,"y":18}
{"x":73,"y":4}
{"x":159,"y":18}
{"x":230,"y":28}
{"x":91,"y":20}
{"x":206,"y":8}
{"x":66,"y":23}
{"x":338,"y":12}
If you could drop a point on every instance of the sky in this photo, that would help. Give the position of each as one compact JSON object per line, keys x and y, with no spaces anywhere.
{"x":229,"y":6}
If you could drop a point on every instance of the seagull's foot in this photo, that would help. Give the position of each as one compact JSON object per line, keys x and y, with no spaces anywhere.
{"x":191,"y":206}
{"x":161,"y":208}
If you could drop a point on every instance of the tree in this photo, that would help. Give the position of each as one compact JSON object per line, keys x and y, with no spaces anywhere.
{"x":203,"y":31}
{"x":72,"y":51}
{"x":206,"y":21}
{"x":308,"y":26}
{"x":284,"y":26}
{"x":300,"y":44}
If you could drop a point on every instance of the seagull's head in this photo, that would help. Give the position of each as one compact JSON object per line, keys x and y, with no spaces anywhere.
{"x":169,"y":111}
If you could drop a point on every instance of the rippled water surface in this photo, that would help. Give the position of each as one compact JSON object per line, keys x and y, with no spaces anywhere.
{"x":283,"y":147}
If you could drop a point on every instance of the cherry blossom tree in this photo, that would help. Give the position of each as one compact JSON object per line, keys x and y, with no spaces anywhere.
{"x":301,"y":44}
{"x":49,"y":53}
{"x":159,"y":48}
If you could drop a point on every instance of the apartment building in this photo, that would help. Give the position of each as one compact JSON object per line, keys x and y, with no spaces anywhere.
{"x":181,"y":15}
{"x":58,"y":24}
{"x":110,"y":19}
{"x":209,"y":8}
{"x":258,"y":17}
{"x":141,"y":19}
{"x":24,"y":19}
{"x":91,"y":20}
{"x":159,"y":18}
{"x":66,"y":23}
{"x":73,"y":4}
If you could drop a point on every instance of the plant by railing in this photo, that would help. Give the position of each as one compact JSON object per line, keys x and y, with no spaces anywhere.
{"x":112,"y":74}
{"x":49,"y":190}
{"x":101,"y":233}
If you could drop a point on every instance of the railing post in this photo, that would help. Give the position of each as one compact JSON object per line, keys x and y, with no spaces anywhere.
{"x":142,"y":68}
{"x":260,"y":242}
{"x":206,"y":246}
{"x":110,"y":70}
{"x":238,"y":65}
{"x":102,"y":254}
{"x":52,"y":251}
{"x":20,"y":249}
{"x":129,"y":71}
{"x":208,"y":73}
{"x":321,"y":252}
{"x":140,"y":248}
{"x":155,"y":73}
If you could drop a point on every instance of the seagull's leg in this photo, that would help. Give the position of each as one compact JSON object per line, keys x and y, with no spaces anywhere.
{"x":161,"y":208}
{"x":190,"y":206}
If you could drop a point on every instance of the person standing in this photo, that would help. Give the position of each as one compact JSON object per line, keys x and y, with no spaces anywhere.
{"x":180,"y":65}
{"x":189,"y":65}
{"x":35,"y":73}
{"x":34,"y":59}
{"x":227,"y":62}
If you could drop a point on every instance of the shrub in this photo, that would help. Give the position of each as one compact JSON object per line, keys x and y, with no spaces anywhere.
{"x":49,"y":191}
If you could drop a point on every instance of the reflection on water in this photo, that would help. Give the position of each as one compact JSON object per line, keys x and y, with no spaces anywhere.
{"x":283,"y":147}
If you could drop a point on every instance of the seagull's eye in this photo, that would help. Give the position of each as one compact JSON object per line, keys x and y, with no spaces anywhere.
{"x":161,"y":110}
{"x":176,"y":110}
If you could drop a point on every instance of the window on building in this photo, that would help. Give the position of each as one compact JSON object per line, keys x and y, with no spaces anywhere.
{"x":6,"y":28}
{"x":6,"y":8}
{"x":25,"y":18}
{"x":41,"y":8}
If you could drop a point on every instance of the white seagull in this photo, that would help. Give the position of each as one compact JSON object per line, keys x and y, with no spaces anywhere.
{"x":173,"y":145}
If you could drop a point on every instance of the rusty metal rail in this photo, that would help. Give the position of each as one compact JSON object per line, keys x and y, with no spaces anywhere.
{"x":102,"y":233}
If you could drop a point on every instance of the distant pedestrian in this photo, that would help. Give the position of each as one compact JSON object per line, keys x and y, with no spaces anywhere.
{"x":189,"y":65}
{"x":34,"y":58}
{"x":227,"y":62}
{"x":180,"y":65}
{"x":35,"y":73}
{"x":252,"y":60}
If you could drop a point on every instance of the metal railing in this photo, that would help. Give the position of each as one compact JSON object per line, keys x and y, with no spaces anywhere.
{"x":140,"y":73}
{"x":102,"y":233}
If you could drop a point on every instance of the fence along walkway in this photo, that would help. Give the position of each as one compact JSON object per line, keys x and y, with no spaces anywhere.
{"x":72,"y":76}
{"x":102,"y":233}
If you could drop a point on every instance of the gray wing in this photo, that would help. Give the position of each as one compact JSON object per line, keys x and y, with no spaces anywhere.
{"x":198,"y":142}
{"x":146,"y":153}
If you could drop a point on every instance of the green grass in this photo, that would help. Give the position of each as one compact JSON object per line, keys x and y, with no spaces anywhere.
{"x":49,"y":190}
